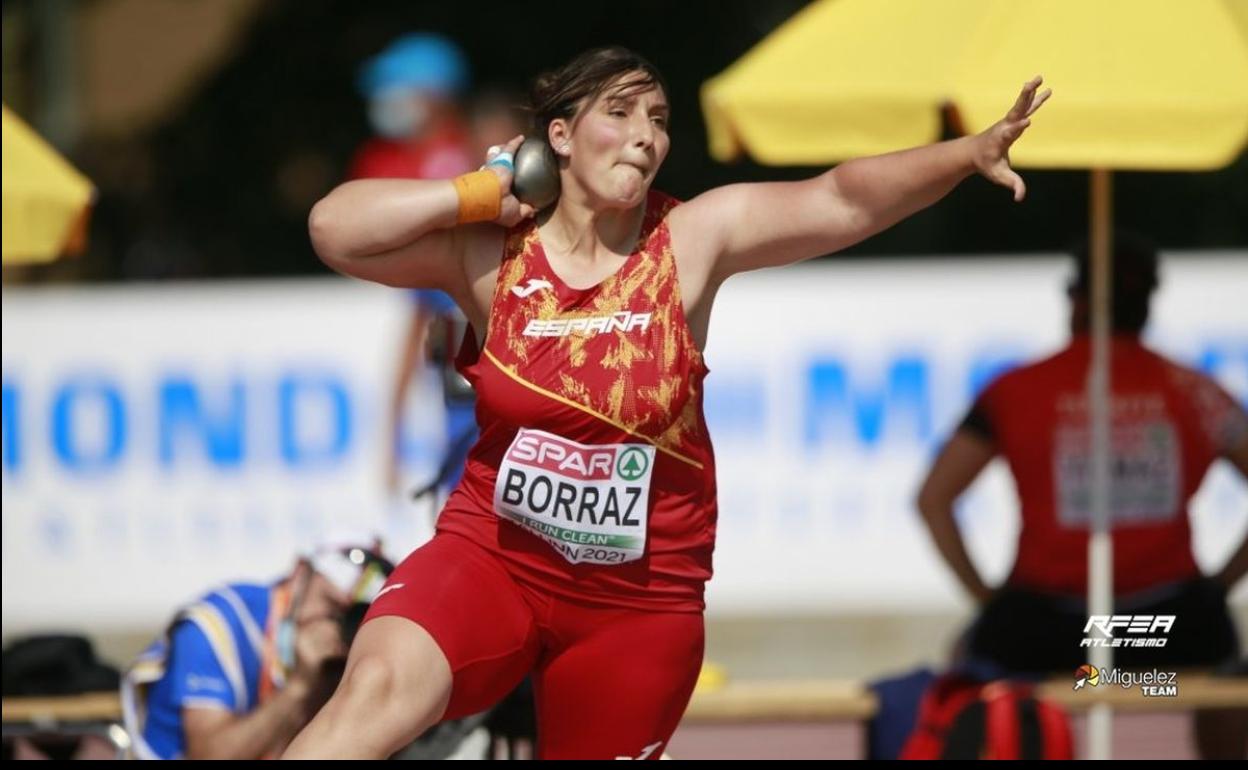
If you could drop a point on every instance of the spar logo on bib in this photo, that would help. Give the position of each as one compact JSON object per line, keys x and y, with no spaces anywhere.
{"x":588,"y":501}
{"x":632,"y":464}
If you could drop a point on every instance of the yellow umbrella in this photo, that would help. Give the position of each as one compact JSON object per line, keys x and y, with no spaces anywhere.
{"x":827,"y":85}
{"x":47,"y":202}
{"x":1139,"y":84}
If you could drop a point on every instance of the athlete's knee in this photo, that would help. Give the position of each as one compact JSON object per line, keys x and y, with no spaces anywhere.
{"x":370,"y":678}
{"x":378,"y":682}
{"x":396,"y":668}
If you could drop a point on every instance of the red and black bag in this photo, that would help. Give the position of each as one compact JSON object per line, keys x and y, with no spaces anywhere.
{"x":960,"y":718}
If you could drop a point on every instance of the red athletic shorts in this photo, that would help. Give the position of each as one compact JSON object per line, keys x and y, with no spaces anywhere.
{"x":609,"y":682}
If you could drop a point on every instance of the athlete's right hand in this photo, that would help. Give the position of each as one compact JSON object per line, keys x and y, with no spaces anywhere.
{"x":512,"y":210}
{"x":316,"y":643}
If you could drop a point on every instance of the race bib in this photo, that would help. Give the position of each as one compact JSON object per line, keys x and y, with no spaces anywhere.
{"x":589,"y":502}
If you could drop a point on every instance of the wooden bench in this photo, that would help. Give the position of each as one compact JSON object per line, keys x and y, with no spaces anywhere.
{"x":807,"y":700}
{"x":796,"y":700}
{"x":90,"y":707}
{"x":767,"y":700}
{"x":65,"y":717}
{"x":787,"y":700}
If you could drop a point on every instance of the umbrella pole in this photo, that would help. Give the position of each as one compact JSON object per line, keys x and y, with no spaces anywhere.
{"x":1100,"y":545}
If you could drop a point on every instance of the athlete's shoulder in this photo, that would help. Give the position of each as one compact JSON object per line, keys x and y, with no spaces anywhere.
{"x":654,"y":225}
{"x":659,"y":204}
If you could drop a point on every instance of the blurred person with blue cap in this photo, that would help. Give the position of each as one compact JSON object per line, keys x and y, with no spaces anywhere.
{"x":437,"y":327}
{"x":239,"y":671}
{"x":413,"y":88}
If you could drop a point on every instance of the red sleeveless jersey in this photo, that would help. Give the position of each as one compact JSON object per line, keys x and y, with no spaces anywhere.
{"x":593,"y":477}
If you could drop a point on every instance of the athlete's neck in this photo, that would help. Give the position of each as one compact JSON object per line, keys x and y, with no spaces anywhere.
{"x":583,"y":233}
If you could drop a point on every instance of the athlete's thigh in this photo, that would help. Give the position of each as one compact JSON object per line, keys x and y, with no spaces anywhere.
{"x":621,"y":691}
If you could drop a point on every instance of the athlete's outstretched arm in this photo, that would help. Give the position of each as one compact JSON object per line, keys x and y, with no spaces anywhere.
{"x":770,"y":224}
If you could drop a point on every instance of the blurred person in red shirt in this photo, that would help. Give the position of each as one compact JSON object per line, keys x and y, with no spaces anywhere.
{"x":1169,"y":425}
